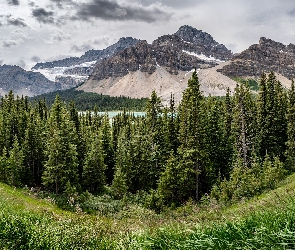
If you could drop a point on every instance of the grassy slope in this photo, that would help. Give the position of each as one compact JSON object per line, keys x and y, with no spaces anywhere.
{"x":265,"y":222}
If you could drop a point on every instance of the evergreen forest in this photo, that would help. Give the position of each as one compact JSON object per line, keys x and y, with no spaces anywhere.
{"x":225,"y":148}
{"x":90,"y":101}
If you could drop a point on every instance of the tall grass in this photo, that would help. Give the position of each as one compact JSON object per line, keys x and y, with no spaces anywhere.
{"x":266,"y":222}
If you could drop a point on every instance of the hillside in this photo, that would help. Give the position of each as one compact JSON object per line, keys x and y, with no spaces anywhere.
{"x":24,"y":82}
{"x":267,"y":221}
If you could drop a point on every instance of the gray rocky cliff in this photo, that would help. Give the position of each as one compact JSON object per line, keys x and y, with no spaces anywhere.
{"x":265,"y":56}
{"x":204,"y":43}
{"x":24,"y":82}
{"x":170,"y":52}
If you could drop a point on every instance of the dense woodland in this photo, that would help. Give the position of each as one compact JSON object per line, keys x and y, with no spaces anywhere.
{"x":89,"y":101}
{"x":227,"y":148}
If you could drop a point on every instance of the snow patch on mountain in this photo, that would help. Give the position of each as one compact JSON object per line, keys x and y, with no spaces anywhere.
{"x":52,"y":73}
{"x":203,"y":57}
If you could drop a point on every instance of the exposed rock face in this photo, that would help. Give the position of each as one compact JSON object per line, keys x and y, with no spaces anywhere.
{"x":175,"y":54}
{"x":66,"y":82}
{"x":266,"y":56}
{"x":204,"y":43}
{"x":79,"y":71}
{"x":71,"y":72}
{"x":24,"y":82}
{"x":168,"y":56}
{"x":164,"y":66}
{"x":169,"y":51}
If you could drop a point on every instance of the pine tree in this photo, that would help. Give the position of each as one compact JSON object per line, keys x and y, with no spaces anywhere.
{"x":243,"y":126}
{"x":272,"y":122}
{"x":191,"y":154}
{"x":213,"y":143}
{"x":122,"y":181}
{"x":173,"y":184}
{"x":33,"y":149}
{"x":15,"y":164}
{"x":290,"y":152}
{"x":107,"y":147}
{"x":61,"y":165}
{"x":94,"y":167}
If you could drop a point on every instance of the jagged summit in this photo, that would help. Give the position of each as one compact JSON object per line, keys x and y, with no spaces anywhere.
{"x":205,"y":42}
{"x":266,"y":56}
{"x":165,"y":65}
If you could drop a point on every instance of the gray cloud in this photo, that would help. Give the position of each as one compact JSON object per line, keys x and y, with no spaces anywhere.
{"x":35,"y":59}
{"x":110,"y":10}
{"x":13,"y":2}
{"x":9,"y":44}
{"x":43,"y":16}
{"x":21,"y":63}
{"x":61,"y":3}
{"x":81,"y":48}
{"x":101,"y":41}
{"x":16,"y":22}
{"x":173,"y":3}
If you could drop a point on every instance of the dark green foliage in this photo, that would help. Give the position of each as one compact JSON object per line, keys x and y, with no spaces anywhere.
{"x":62,"y":163}
{"x":87,"y":100}
{"x":243,"y":125}
{"x":93,"y":175}
{"x":253,"y":84}
{"x":290,"y":151}
{"x":249,"y":181}
{"x":240,"y":144}
{"x":272,"y":123}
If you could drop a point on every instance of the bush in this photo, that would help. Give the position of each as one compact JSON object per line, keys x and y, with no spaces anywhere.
{"x":246,"y":182}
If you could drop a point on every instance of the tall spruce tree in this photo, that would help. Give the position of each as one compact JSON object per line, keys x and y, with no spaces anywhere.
{"x":61,"y":166}
{"x":190,"y":153}
{"x":94,"y":167}
{"x":290,"y":151}
{"x":272,"y":124}
{"x":243,"y":126}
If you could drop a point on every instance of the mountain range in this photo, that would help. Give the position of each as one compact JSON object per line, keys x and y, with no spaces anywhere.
{"x":133,"y":67}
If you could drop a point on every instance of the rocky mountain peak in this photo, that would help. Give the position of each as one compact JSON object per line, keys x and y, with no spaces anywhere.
{"x":266,"y":56}
{"x":205,"y":42}
{"x":195,"y":36}
{"x":271,"y":44}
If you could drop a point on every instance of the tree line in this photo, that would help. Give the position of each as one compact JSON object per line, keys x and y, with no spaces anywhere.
{"x":227,"y":147}
{"x":88,"y":101}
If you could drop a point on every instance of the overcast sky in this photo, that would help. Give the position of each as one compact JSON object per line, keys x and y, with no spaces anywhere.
{"x":32,"y":31}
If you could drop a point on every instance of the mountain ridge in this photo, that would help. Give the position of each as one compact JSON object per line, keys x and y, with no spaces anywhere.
{"x":133,"y":67}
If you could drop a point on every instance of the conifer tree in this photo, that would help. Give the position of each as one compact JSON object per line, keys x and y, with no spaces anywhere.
{"x":33,"y":148}
{"x":61,"y":165}
{"x":290,"y":151}
{"x":243,"y":126}
{"x":94,"y":166}
{"x":107,"y":147}
{"x":213,"y":143}
{"x":272,"y":122}
{"x":15,"y":164}
{"x":123,"y":172}
{"x":191,"y":154}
